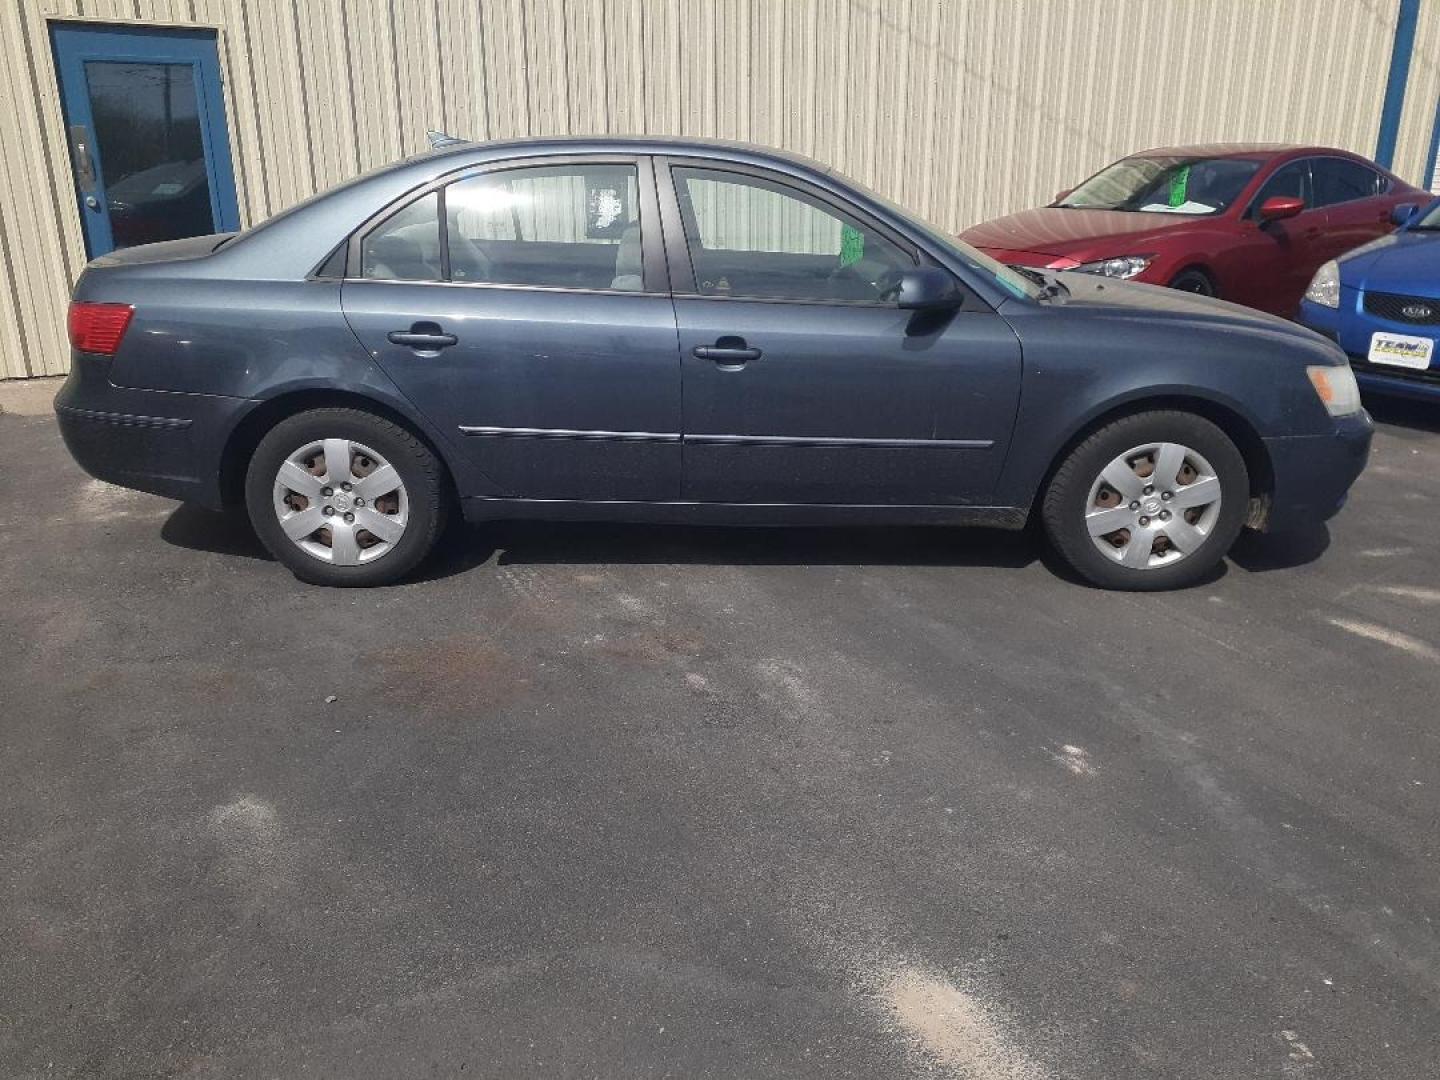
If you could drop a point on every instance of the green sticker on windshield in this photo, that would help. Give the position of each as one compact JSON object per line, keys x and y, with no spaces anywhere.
{"x":852,"y":245}
{"x":1178,"y":184}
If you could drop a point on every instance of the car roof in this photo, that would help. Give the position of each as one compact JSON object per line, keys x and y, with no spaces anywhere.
{"x":623,"y":144}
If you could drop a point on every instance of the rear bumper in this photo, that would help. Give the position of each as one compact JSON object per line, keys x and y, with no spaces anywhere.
{"x":1313,"y":473}
{"x":165,"y":443}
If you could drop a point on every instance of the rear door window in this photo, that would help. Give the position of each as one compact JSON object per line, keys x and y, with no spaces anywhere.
{"x":563,"y":226}
{"x":406,"y":245}
{"x":1339,"y":180}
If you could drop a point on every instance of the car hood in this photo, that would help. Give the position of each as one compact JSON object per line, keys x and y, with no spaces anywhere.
{"x":1107,"y":297}
{"x":1061,"y":232}
{"x":1403,"y":262}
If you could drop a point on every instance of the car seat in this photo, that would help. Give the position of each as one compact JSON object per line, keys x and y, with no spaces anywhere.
{"x":629,"y":265}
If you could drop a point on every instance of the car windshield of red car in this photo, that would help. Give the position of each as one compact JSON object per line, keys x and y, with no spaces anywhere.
{"x":1164,"y":185}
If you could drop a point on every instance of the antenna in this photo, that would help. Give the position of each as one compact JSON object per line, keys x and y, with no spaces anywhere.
{"x":437,"y":139}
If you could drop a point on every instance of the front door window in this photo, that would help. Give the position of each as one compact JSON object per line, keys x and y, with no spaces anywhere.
{"x":751,"y":237}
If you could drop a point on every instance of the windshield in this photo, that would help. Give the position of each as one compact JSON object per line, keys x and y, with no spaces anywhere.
{"x":1429,"y":219}
{"x":1005,"y":277}
{"x":1165,"y":185}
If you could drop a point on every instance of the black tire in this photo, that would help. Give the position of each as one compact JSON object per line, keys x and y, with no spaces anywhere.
{"x":1194,"y":280}
{"x":420,"y":471}
{"x":1066,"y":499}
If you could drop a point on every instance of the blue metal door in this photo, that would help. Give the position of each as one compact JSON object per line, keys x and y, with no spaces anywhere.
{"x":145,"y":119}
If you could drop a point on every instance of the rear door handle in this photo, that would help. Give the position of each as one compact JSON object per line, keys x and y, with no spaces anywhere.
{"x":725,"y":356}
{"x":423,"y":336}
{"x":729,"y":350}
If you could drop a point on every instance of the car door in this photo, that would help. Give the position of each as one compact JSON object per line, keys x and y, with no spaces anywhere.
{"x":524,"y":309}
{"x":1271,"y":263}
{"x":803,"y":381}
{"x":1356,"y":210}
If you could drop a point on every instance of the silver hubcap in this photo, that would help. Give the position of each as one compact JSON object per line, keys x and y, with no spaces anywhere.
{"x":341,"y":502}
{"x":1153,"y":505}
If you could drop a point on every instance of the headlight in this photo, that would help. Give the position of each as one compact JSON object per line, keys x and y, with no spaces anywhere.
{"x":1122,"y":266}
{"x":1336,"y":386}
{"x":1325,"y":286}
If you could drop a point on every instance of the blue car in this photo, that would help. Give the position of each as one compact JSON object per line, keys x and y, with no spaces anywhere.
{"x":1381,"y":304}
{"x":665,"y":330}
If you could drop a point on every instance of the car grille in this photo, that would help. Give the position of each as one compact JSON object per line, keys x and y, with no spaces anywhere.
{"x":1421,"y":310}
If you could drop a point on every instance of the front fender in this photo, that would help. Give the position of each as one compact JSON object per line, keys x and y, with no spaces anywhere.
{"x":1079,"y":367}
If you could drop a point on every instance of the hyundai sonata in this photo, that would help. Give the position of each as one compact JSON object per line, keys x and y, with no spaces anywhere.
{"x":666,"y":330}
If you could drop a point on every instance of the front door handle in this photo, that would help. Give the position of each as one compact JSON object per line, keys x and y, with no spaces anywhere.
{"x":424,"y":336}
{"x":729,"y":351}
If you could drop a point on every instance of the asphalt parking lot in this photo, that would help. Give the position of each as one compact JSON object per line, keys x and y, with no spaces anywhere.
{"x":624,"y":802}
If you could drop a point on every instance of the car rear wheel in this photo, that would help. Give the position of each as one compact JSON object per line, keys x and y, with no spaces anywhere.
{"x":1194,"y":281}
{"x":1150,"y":501}
{"x":344,"y":497}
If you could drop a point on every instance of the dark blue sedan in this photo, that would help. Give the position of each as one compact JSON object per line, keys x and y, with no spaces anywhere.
{"x":1381,"y":303}
{"x":666,"y":330}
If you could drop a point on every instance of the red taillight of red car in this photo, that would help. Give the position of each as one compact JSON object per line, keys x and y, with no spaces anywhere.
{"x":98,"y":328}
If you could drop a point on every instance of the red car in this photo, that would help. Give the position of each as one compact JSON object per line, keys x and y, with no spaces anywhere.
{"x":1250,"y":224}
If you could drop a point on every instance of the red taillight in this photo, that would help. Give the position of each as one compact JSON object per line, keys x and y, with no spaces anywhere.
{"x":98,"y":328}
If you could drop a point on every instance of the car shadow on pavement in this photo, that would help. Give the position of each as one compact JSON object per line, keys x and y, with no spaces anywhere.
{"x":1262,"y":552}
{"x":549,"y":542}
{"x":229,"y":533}
{"x":223,"y":533}
{"x":1404,"y":412}
{"x":465,"y":547}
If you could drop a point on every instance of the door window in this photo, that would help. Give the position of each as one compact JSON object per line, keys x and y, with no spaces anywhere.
{"x":1339,"y":180}
{"x":406,"y":245}
{"x":1290,"y":181}
{"x":750,"y":237}
{"x":562,"y":226}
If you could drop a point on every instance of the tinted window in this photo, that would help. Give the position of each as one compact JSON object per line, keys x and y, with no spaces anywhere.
{"x":751,"y":237}
{"x":1291,"y":181}
{"x":563,"y":226}
{"x":1338,"y":180}
{"x":406,"y":246}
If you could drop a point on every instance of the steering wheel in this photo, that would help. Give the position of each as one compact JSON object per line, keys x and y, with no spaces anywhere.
{"x":885,"y":286}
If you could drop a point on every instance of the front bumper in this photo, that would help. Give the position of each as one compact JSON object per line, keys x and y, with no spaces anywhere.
{"x":165,"y":443}
{"x":1313,"y":473}
{"x":1351,"y":326}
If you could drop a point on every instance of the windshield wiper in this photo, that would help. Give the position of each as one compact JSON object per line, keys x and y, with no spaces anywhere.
{"x":1049,"y":283}
{"x":1054,"y":286}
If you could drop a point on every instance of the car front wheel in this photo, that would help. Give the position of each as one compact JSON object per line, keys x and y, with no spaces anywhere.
{"x":344,"y":497}
{"x":1149,"y":501}
{"x":1194,"y":281}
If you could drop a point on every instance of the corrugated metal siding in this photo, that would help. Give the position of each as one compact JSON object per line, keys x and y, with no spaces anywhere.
{"x":960,"y":110}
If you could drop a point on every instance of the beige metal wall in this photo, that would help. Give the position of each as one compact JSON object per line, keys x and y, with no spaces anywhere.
{"x":961,"y":109}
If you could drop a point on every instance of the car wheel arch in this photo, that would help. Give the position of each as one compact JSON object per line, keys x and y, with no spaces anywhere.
{"x":1237,"y":427}
{"x":245,"y":436}
{"x":1204,"y":271}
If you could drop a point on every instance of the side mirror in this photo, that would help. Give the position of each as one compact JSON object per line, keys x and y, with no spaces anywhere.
{"x":1280,"y":207}
{"x":1401,"y":214}
{"x":1061,"y":196}
{"x":928,"y":288}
